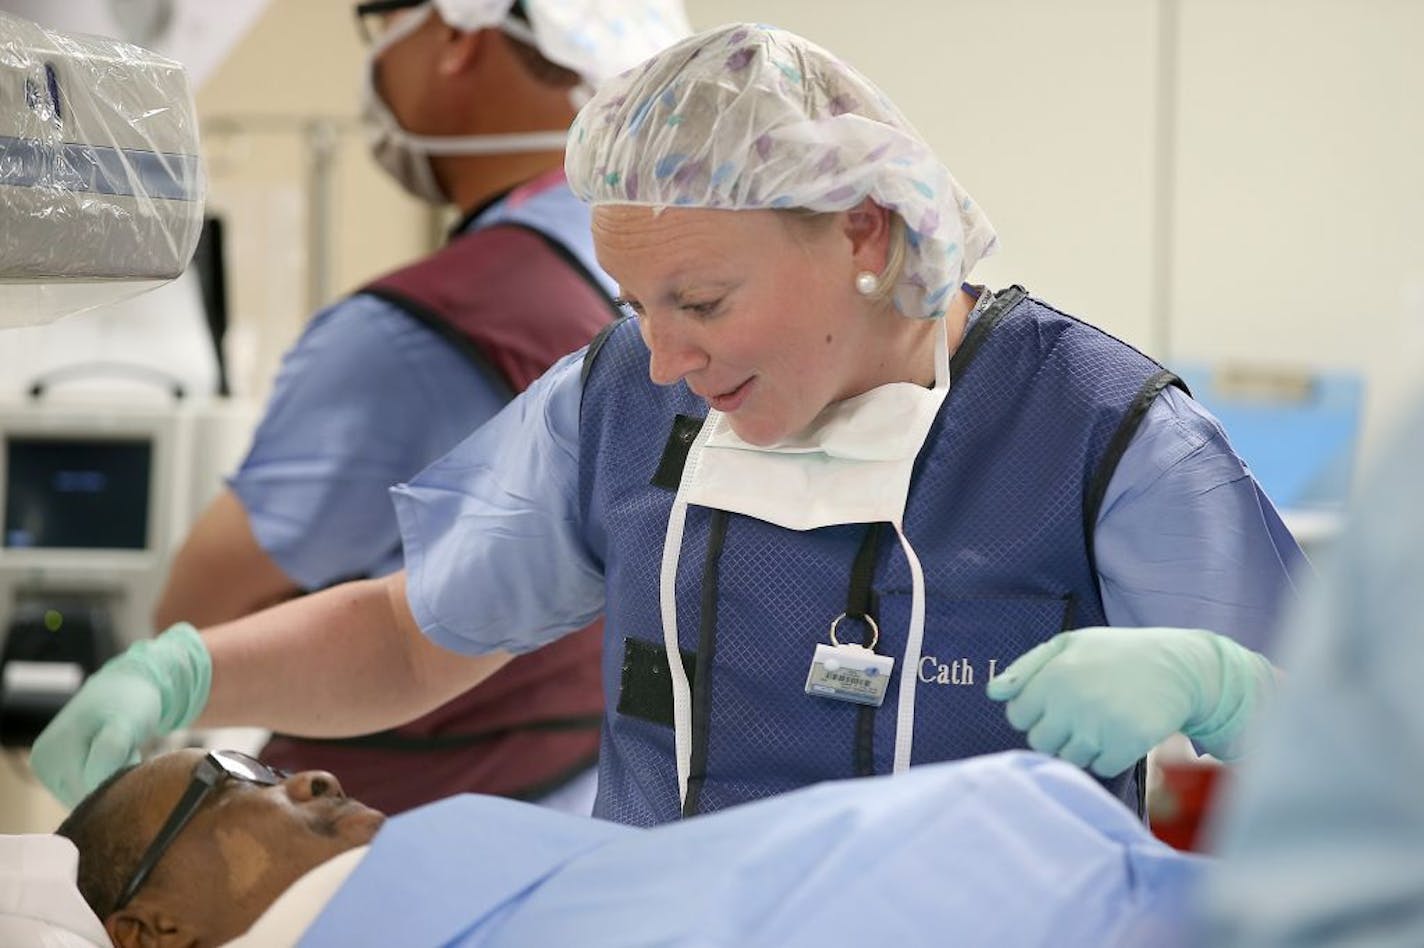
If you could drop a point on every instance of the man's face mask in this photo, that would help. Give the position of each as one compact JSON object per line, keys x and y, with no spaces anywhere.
{"x":405,"y":156}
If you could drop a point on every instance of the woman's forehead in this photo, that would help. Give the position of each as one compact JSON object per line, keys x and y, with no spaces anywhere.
{"x":628,"y":234}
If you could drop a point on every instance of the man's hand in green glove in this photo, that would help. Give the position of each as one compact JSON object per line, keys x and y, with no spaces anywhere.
{"x":155,"y":687}
{"x":1102,"y":698}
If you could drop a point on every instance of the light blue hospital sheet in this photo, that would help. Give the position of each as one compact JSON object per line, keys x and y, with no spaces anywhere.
{"x":1008,"y":849}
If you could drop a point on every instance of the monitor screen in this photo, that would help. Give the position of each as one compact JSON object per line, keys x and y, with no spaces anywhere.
{"x":77,"y":493}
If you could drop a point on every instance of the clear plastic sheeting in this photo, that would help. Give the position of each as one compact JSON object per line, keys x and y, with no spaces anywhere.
{"x":101,"y":186}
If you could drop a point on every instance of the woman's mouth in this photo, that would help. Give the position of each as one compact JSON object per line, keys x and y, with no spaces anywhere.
{"x":729,"y":402}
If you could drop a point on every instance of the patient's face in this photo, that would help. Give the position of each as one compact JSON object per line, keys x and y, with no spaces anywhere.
{"x":243,"y":847}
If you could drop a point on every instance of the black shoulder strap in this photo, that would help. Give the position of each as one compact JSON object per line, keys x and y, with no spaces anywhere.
{"x":1121,"y":438}
{"x":999,"y":307}
{"x":595,"y":346}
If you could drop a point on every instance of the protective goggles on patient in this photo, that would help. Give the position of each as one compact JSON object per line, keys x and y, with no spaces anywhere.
{"x":211,"y":771}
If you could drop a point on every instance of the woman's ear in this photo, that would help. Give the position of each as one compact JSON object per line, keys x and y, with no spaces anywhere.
{"x":867,"y":227}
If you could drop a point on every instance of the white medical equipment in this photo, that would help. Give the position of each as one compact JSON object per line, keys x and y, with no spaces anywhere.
{"x":101,"y":198}
{"x":101,"y":186}
{"x":94,"y":500}
{"x":87,"y":501}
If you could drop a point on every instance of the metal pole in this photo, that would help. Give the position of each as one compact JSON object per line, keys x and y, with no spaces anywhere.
{"x":323,"y":143}
{"x":1165,"y":184}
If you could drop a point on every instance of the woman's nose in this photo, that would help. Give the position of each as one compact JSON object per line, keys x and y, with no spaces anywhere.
{"x":310,"y":784}
{"x":672,"y":354}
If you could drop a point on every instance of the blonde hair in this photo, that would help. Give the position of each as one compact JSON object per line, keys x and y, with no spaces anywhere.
{"x":895,"y":254}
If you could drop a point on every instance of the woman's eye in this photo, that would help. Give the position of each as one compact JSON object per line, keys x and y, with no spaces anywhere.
{"x":702,"y":309}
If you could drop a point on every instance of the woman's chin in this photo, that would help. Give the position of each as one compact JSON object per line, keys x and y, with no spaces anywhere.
{"x":755,"y":437}
{"x":760,"y":432}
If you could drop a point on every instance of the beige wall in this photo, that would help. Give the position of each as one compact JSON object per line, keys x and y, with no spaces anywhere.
{"x":1046,"y":138}
{"x":1209,"y":179}
{"x":1300,"y":232}
{"x":1247,"y":189}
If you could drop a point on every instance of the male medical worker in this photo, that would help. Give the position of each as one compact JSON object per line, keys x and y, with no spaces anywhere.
{"x":467,"y":102}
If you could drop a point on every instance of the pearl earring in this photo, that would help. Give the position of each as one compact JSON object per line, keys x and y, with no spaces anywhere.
{"x":866,"y":283}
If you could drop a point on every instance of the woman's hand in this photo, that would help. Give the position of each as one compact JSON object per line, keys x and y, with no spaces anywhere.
{"x":1103,"y":697}
{"x":157,"y":686}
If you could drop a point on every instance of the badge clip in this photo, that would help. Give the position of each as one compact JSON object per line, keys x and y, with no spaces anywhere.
{"x":848,"y":672}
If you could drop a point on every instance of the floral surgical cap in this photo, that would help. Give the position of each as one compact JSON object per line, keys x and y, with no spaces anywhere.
{"x":594,"y":38}
{"x":747,"y":116}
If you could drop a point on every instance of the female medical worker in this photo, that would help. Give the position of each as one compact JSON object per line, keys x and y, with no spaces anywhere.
{"x":711,"y":475}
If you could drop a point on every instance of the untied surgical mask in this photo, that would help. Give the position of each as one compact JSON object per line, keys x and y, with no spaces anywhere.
{"x":406,"y":156}
{"x":852,"y":464}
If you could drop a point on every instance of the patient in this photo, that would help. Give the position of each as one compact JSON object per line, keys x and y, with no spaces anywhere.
{"x":240,"y":844}
{"x":1012,"y":848}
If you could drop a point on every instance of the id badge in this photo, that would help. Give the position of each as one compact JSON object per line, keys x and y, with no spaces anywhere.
{"x":849,"y":673}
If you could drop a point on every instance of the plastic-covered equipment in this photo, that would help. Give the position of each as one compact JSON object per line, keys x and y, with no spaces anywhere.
{"x":101,"y":186}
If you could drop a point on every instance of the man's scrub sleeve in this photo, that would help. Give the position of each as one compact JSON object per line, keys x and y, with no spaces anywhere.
{"x":331,"y":443}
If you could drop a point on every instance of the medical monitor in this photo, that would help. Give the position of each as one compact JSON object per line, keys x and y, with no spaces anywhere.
{"x":84,"y":487}
{"x":91,"y":492}
{"x":77,"y":492}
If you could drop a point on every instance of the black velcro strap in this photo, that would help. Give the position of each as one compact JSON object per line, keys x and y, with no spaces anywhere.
{"x":860,"y":598}
{"x":860,"y":603}
{"x":646,"y":689}
{"x":684,"y":432}
{"x":706,"y":650}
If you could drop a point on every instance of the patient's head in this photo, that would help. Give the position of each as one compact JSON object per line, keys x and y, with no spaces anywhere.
{"x":245,"y":843}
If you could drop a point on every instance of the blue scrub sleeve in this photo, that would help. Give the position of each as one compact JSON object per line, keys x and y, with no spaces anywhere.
{"x":337,"y":433}
{"x":1186,"y":536}
{"x":494,"y":546}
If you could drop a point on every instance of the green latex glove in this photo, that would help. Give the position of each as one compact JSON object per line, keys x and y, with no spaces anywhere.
{"x":1102,"y":698}
{"x":157,"y":686}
